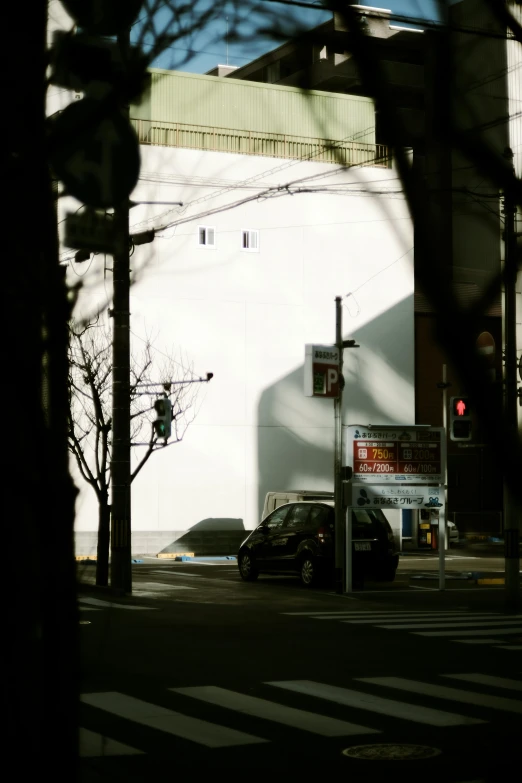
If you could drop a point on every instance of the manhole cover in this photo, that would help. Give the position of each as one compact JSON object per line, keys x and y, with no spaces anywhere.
{"x":391,"y":752}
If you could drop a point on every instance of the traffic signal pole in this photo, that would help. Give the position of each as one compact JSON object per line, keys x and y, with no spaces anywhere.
{"x":442,"y":539}
{"x":512,"y":503}
{"x":121,"y":575}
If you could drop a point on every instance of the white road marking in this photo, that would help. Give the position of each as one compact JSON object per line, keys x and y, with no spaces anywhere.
{"x":162,"y":586}
{"x":510,"y":647}
{"x":92,"y":744}
{"x":487,"y":679}
{"x":89,"y":609}
{"x":209,"y":734}
{"x":109,"y":605}
{"x":365,"y":701}
{"x":373,"y":613}
{"x":435,"y":560}
{"x":476,"y":641}
{"x":279,"y":713}
{"x":175,"y":573}
{"x":421,"y":617}
{"x":450,"y":694}
{"x":484,"y":632}
{"x":453,"y":624}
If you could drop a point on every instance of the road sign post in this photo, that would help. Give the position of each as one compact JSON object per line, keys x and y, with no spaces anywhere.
{"x":323,"y":377}
{"x":343,"y":573}
{"x":95,"y":154}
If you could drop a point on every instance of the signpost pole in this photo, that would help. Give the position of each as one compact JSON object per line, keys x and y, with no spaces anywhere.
{"x":443,"y":512}
{"x":512,"y":506}
{"x":338,"y":487}
{"x":442,"y":547}
{"x":348,"y":551}
{"x":121,"y":574}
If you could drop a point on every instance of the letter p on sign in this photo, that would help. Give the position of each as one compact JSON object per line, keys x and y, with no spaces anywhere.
{"x":332,"y":379}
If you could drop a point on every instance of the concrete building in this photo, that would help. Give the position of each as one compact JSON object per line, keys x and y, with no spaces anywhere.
{"x":469,"y":77}
{"x":245,"y":274}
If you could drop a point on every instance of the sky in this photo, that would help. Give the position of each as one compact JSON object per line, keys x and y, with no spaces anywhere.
{"x":208,"y":47}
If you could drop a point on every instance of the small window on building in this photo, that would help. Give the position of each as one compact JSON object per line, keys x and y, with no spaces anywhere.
{"x":207,"y":236}
{"x":250,"y":240}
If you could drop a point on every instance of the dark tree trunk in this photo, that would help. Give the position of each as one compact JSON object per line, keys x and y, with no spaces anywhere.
{"x":42,"y":684}
{"x":104,"y":537}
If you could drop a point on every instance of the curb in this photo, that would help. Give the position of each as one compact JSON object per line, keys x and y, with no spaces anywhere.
{"x":435,"y":576}
{"x":174,"y":555}
{"x":87,"y":560}
{"x":476,"y":577}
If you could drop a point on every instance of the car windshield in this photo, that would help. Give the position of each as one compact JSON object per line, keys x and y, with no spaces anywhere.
{"x":368,"y":524}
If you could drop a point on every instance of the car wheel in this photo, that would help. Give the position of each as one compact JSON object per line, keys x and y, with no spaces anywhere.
{"x":247,"y":569}
{"x":308,"y":571}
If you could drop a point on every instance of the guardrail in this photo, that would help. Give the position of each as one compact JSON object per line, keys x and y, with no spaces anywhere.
{"x":276,"y":145}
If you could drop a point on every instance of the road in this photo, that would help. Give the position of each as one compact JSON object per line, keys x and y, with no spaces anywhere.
{"x":200,"y":671}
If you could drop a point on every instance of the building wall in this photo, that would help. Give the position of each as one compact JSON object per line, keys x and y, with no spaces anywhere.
{"x":197,"y":99}
{"x":246,"y":317}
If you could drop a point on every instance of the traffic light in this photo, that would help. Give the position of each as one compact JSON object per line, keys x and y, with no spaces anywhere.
{"x":460,"y":418}
{"x":162,"y":424}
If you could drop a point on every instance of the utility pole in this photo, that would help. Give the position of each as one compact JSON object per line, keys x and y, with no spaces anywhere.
{"x":445,"y":542}
{"x":343,"y":560}
{"x":121,"y":575}
{"x":338,"y":456}
{"x":512,"y":505}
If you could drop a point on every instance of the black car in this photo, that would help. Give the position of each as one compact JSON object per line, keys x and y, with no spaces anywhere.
{"x":299,"y":538}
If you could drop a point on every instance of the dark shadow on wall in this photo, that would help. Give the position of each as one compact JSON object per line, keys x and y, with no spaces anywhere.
{"x":285,"y":458}
{"x":214,"y":536}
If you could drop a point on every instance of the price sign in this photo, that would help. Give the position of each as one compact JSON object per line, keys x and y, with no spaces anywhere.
{"x":385,"y":455}
{"x":421,"y":458}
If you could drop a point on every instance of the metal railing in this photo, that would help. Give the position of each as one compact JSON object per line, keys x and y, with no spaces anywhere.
{"x":276,"y":145}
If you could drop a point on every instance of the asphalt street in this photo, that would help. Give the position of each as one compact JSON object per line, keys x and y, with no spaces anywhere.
{"x":200,"y":671}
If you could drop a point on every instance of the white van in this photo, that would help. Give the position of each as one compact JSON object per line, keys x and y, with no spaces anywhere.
{"x":275,"y":499}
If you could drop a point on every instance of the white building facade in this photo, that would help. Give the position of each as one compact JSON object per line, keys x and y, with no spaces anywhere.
{"x":245,"y":314}
{"x":237,"y":281}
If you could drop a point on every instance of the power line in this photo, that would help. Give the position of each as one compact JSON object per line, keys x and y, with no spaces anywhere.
{"x":262,"y":175}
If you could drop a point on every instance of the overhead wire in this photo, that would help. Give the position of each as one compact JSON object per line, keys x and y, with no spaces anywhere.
{"x":256,"y":177}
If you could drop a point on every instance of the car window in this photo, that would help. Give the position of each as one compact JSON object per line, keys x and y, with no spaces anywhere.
{"x":320,"y":516}
{"x":367,"y":524}
{"x":276,"y":518}
{"x":298,"y":516}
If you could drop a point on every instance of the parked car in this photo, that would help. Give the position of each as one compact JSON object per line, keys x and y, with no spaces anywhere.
{"x":453,"y":533}
{"x":299,"y":538}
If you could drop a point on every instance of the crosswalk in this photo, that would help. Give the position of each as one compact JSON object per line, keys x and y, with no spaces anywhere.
{"x":463,"y":627}
{"x":204,"y":715}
